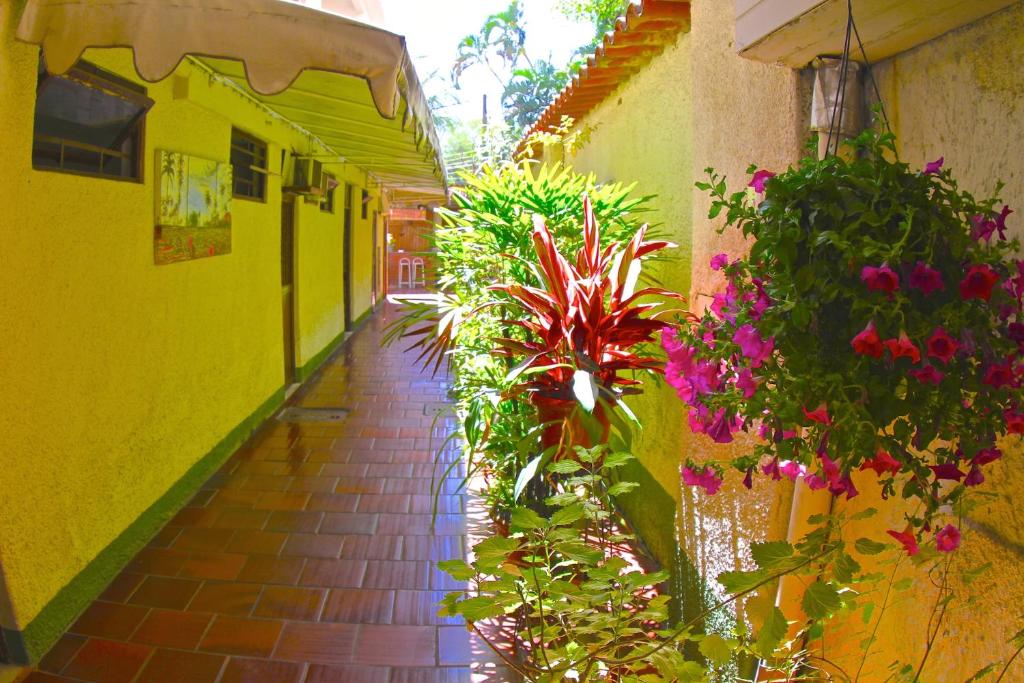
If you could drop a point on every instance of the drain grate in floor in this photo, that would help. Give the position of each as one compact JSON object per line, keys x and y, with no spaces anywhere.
{"x":299,"y":414}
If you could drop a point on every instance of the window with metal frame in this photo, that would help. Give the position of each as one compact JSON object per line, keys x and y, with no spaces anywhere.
{"x":89,"y":122}
{"x":248,"y":166}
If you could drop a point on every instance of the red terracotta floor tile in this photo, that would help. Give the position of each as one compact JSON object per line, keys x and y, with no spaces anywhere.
{"x":240,"y":518}
{"x":222,"y":566}
{"x":359,"y":606}
{"x":121,"y":588}
{"x":286,"y":602}
{"x":241,"y":670}
{"x":107,"y":661}
{"x":239,"y":636}
{"x":165,"y":537}
{"x":319,"y":673}
{"x":419,"y":608}
{"x":317,"y":643}
{"x":333,"y":502}
{"x":363,"y":547}
{"x":312,"y":545}
{"x":61,"y":653}
{"x":159,"y":561}
{"x":109,"y":620}
{"x":175,"y":666}
{"x":348,"y":523}
{"x":396,"y":645}
{"x":226,"y":598}
{"x":162,"y":591}
{"x":333,"y":573}
{"x":292,"y":521}
{"x":168,"y":628}
{"x":257,"y":542}
{"x":398,"y":575}
{"x":202,"y":539}
{"x":282,"y":501}
{"x":279,"y":570}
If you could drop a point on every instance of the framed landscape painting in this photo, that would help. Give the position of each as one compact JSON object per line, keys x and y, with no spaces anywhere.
{"x":193,"y":208}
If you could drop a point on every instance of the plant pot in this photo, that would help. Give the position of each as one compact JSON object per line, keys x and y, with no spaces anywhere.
{"x":566,"y":426}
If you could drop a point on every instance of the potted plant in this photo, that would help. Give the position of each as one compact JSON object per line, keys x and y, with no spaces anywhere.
{"x":876,"y":325}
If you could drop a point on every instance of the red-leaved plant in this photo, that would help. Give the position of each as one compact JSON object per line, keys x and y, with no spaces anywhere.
{"x":586,"y":328}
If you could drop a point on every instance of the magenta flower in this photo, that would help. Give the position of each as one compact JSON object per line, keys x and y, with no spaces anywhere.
{"x":707,"y":479}
{"x":982,"y":228}
{"x":882,"y":463}
{"x":1015,"y":331}
{"x":941,"y":346}
{"x":880,"y":279}
{"x":927,"y":375}
{"x":722,"y":427}
{"x":933,"y":167}
{"x":903,"y":348}
{"x":926,"y":278}
{"x":814,"y":482}
{"x":987,"y":455}
{"x":1014,"y":421}
{"x":746,"y":383}
{"x":759,"y":179}
{"x":697,"y":418}
{"x":719,"y":261}
{"x":819,"y":414}
{"x":948,"y":539}
{"x":907,"y":539}
{"x":771,"y":469}
{"x":867,"y":342}
{"x":978,"y":283}
{"x":1001,"y":221}
{"x":752,"y":345}
{"x":947,"y":471}
{"x":974,"y":476}
{"x":998,"y":376}
{"x":792,"y":469}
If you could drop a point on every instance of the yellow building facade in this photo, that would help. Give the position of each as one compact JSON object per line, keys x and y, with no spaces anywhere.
{"x":127,"y":383}
{"x":951,"y":89}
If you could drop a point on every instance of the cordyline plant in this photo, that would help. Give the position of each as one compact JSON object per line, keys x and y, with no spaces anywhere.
{"x":585,"y":326}
{"x":875,"y":325}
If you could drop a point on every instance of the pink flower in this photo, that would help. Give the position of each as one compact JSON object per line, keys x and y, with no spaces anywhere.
{"x":987,"y":455}
{"x":906,"y":538}
{"x":882,"y":463}
{"x":746,"y":383}
{"x":1014,"y":421}
{"x":948,"y":539}
{"x":927,"y":375}
{"x":933,"y":167}
{"x":982,"y":228}
{"x":721,"y":428}
{"x":926,"y":278}
{"x":814,"y":482}
{"x":792,"y":469}
{"x":903,"y":348}
{"x":1001,"y":221}
{"x":947,"y":471}
{"x":974,"y":476}
{"x":867,"y":342}
{"x":707,"y":479}
{"x":880,"y":279}
{"x":997,"y":376}
{"x":759,"y":179}
{"x":752,"y":345}
{"x":942,"y":346}
{"x":978,"y":283}
{"x":719,"y":261}
{"x":819,"y":414}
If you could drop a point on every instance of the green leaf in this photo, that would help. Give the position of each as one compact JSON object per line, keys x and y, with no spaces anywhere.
{"x":567,"y":515}
{"x":622,"y":487}
{"x":524,"y":519}
{"x":771,"y":554}
{"x":983,"y":673}
{"x":481,"y":607}
{"x":845,"y":568}
{"x":821,"y":599}
{"x":865,"y":546}
{"x":716,"y":649}
{"x":565,"y":466}
{"x":739,"y":581}
{"x":457,"y":569}
{"x":772,"y":632}
{"x":528,"y":473}
{"x":866,"y":513}
{"x":494,"y":550}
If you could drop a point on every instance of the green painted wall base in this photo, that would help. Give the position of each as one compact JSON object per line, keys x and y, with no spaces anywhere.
{"x":35,"y":640}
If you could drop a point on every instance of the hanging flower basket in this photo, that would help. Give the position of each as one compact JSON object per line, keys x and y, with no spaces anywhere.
{"x":876,"y":325}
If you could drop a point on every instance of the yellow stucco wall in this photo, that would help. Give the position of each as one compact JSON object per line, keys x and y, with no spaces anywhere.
{"x":119,"y":375}
{"x":961,"y":96}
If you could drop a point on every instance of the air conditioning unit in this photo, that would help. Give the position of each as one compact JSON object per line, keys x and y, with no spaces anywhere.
{"x":308,"y":178}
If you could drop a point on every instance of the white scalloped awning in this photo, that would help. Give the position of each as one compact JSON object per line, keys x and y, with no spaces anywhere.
{"x":311,"y":67}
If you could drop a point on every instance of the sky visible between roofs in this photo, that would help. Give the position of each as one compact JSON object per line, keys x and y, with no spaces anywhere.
{"x":433,"y":29}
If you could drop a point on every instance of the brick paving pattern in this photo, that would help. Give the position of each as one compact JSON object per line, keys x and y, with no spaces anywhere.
{"x":307,"y":558}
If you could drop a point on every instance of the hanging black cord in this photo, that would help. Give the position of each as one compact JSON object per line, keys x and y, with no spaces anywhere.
{"x":836,"y":120}
{"x":867,"y":65}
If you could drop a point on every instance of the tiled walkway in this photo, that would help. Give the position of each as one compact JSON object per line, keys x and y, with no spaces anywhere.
{"x":308,"y":557}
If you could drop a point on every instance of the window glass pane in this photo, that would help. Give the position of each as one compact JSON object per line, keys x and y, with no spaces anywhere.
{"x":85,"y":126}
{"x":247,"y":155}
